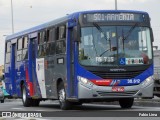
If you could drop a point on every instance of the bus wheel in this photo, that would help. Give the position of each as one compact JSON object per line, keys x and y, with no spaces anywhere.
{"x":77,"y":103}
{"x":2,"y":101}
{"x":64,"y":104}
{"x":26,"y":101}
{"x":126,"y":102}
{"x":35,"y":102}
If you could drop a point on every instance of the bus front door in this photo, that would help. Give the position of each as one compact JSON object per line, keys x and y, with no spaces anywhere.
{"x":71,"y":69}
{"x":32,"y":80}
{"x":13,"y":69}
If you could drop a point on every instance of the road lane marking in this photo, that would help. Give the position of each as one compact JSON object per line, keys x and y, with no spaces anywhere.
{"x":17,"y":108}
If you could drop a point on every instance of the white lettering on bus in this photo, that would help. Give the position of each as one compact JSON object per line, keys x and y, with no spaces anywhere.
{"x":104,"y":59}
{"x":114,"y":17}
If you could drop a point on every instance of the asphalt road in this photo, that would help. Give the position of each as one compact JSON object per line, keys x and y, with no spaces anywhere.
{"x":86,"y":111}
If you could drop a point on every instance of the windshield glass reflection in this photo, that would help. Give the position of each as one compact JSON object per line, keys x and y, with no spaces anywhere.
{"x":115,"y":45}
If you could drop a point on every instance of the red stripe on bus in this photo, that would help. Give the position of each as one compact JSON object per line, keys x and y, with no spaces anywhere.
{"x":103,"y":82}
{"x":29,"y":84}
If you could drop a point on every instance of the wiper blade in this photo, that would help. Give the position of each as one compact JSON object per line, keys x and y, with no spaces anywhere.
{"x":130,"y":31}
{"x":105,"y":37}
{"x":100,"y":29}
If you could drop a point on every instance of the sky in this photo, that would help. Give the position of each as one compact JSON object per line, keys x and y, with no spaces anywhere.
{"x":29,"y":13}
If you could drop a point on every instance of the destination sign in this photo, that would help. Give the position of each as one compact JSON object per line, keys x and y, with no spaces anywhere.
{"x":109,"y":17}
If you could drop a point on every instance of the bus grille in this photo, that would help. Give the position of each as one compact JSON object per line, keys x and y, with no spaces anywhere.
{"x":129,"y":93}
{"x":117,"y":75}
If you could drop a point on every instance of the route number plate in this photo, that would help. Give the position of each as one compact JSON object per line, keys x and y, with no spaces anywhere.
{"x":117,"y":89}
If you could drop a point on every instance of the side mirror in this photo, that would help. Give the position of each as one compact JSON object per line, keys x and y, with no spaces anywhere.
{"x":76,"y":34}
{"x":151,"y":33}
{"x":73,"y":26}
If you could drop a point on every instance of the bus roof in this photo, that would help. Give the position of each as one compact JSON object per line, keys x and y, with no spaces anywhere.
{"x":57,"y":21}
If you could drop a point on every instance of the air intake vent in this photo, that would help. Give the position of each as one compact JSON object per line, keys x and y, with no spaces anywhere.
{"x":117,"y":75}
{"x":129,"y":93}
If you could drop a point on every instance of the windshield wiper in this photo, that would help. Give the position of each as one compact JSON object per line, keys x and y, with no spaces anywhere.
{"x":105,"y":37}
{"x":101,"y":31}
{"x":130,"y":31}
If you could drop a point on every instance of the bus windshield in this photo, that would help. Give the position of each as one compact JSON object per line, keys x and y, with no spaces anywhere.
{"x":115,"y":45}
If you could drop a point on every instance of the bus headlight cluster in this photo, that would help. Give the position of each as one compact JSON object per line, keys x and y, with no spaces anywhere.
{"x":147,"y":81}
{"x":85,"y":81}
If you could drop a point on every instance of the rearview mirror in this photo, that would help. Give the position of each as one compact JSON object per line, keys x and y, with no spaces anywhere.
{"x":76,"y":34}
{"x":151,"y":33}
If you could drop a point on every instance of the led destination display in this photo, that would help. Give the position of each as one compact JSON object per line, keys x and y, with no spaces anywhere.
{"x":104,"y":17}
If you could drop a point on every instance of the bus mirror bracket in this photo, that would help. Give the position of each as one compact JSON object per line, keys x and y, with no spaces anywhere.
{"x":73,"y":24}
{"x":151,"y":33}
{"x":76,"y":34}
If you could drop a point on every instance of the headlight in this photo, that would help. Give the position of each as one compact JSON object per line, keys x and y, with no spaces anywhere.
{"x":85,"y":81}
{"x":147,"y":81}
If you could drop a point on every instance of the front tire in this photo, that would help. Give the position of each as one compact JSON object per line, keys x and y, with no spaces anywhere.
{"x":26,"y":101}
{"x":126,"y":102}
{"x":2,"y":101}
{"x":35,"y":102}
{"x":64,"y":104}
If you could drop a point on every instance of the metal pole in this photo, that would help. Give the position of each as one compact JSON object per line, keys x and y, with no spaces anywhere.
{"x":12,"y":17}
{"x":115,"y":4}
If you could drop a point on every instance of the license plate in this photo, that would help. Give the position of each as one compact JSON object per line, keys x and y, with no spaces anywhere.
{"x":117,"y":89}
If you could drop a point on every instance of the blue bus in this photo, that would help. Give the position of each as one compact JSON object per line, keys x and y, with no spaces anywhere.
{"x":99,"y":55}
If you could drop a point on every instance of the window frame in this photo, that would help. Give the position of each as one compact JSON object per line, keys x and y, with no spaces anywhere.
{"x":47,"y":44}
{"x":8,"y":52}
{"x":25,"y":48}
{"x":61,"y":39}
{"x":19,"y":49}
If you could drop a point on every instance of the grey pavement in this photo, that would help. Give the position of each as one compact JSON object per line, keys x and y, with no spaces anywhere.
{"x":154,"y":102}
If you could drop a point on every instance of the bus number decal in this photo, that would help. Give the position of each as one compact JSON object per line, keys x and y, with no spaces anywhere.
{"x":104,"y":59}
{"x":133,"y":81}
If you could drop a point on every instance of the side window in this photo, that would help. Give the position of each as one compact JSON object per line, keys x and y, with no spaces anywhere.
{"x":42,"y":50}
{"x":47,"y":35}
{"x":39,"y":37}
{"x":19,"y":49}
{"x":19,"y":46}
{"x":8,"y":47}
{"x":46,"y":42}
{"x":51,"y":44}
{"x":60,"y":47}
{"x":8,"y":52}
{"x":42,"y":40}
{"x":52,"y":36}
{"x":62,"y":32}
{"x":52,"y":48}
{"x":25,"y":42}
{"x":25,"y":48}
{"x":42,"y":37}
{"x":61,"y":42}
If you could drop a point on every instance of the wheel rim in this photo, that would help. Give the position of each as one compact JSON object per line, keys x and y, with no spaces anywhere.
{"x":61,"y":95}
{"x":24,"y":94}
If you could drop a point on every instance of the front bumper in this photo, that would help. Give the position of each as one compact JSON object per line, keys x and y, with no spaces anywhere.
{"x":104,"y":92}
